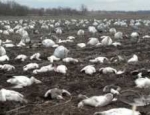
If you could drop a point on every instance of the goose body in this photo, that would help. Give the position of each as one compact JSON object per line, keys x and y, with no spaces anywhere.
{"x":93,"y":41}
{"x":70,"y":59}
{"x":61,"y":69}
{"x":30,"y":66}
{"x":7,"y":67}
{"x":22,"y":81}
{"x":90,"y":69}
{"x":48,"y":43}
{"x":81,"y":45}
{"x":4,"y":58}
{"x":2,"y":49}
{"x":134,"y":59}
{"x":106,"y":41}
{"x":97,"y":101}
{"x":35,"y":56}
{"x":142,"y":82}
{"x":53,"y":58}
{"x":10,"y":95}
{"x":56,"y":93}
{"x":99,"y":60}
{"x":118,"y":111}
{"x":21,"y":57}
{"x":44,"y":69}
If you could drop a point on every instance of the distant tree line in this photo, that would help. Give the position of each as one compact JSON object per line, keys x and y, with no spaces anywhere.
{"x":12,"y":8}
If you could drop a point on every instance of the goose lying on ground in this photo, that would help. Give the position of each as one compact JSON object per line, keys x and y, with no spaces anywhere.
{"x":22,"y":81}
{"x":48,"y":43}
{"x":53,"y":58}
{"x":93,"y":41}
{"x":21,"y":44}
{"x":2,"y":49}
{"x":70,"y":60}
{"x":61,"y":52}
{"x":112,"y":89}
{"x":10,"y":95}
{"x":99,"y":60}
{"x":61,"y":69}
{"x":118,"y":111}
{"x":56,"y":93}
{"x":81,"y":45}
{"x":30,"y":66}
{"x":142,"y":82}
{"x":7,"y":67}
{"x":44,"y":69}
{"x":4,"y":58}
{"x":35,"y":56}
{"x":116,"y":44}
{"x":90,"y":69}
{"x":97,"y":101}
{"x":108,"y":70}
{"x":21,"y":57}
{"x":134,"y":59}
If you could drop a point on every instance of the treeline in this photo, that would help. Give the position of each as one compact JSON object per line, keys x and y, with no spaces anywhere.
{"x":11,"y":8}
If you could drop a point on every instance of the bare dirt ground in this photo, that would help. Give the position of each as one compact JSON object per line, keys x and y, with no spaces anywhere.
{"x":75,"y":81}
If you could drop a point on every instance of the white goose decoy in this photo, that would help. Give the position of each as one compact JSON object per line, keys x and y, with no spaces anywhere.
{"x":2,"y":49}
{"x":21,"y":44}
{"x":97,"y":101}
{"x":10,"y":95}
{"x":118,"y":35}
{"x":7,"y":67}
{"x":93,"y":41}
{"x":142,"y":82}
{"x":134,"y":59}
{"x":61,"y":52}
{"x":30,"y":66}
{"x":108,"y":70}
{"x":56,"y":93}
{"x":71,"y":37}
{"x":53,"y":58}
{"x":80,"y":32}
{"x":81,"y":45}
{"x":48,"y":43}
{"x":70,"y":59}
{"x":90,"y":69}
{"x":44,"y":69}
{"x":106,"y":41}
{"x":134,"y":35}
{"x":35,"y":56}
{"x":4,"y":58}
{"x":118,"y":111}
{"x":21,"y":57}
{"x":116,"y":44}
{"x":61,"y":69}
{"x":99,"y":60}
{"x":23,"y":81}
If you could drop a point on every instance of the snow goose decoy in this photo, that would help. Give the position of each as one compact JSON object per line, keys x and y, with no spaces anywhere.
{"x":53,"y":58}
{"x":44,"y":69}
{"x":61,"y":52}
{"x":106,"y":40}
{"x":142,"y":82}
{"x":134,"y":59}
{"x":30,"y":66}
{"x":7,"y":67}
{"x":97,"y":101}
{"x":22,"y":81}
{"x":4,"y":58}
{"x":93,"y":41}
{"x":70,"y":60}
{"x":2,"y":49}
{"x":61,"y":69}
{"x":56,"y":93}
{"x":90,"y":69}
{"x":108,"y":70}
{"x":99,"y":60}
{"x":21,"y":57}
{"x":118,"y":111}
{"x":35,"y":56}
{"x":112,"y":89}
{"x":10,"y":95}
{"x":81,"y":45}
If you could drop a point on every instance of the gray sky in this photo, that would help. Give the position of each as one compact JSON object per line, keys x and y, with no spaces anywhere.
{"x":91,"y":4}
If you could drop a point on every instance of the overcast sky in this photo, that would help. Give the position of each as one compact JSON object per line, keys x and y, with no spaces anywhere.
{"x":126,"y":5}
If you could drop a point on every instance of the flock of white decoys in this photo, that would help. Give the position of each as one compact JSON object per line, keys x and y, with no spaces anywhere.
{"x":61,"y":53}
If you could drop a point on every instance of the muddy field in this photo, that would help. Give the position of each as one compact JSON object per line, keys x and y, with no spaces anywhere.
{"x":75,"y":81}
